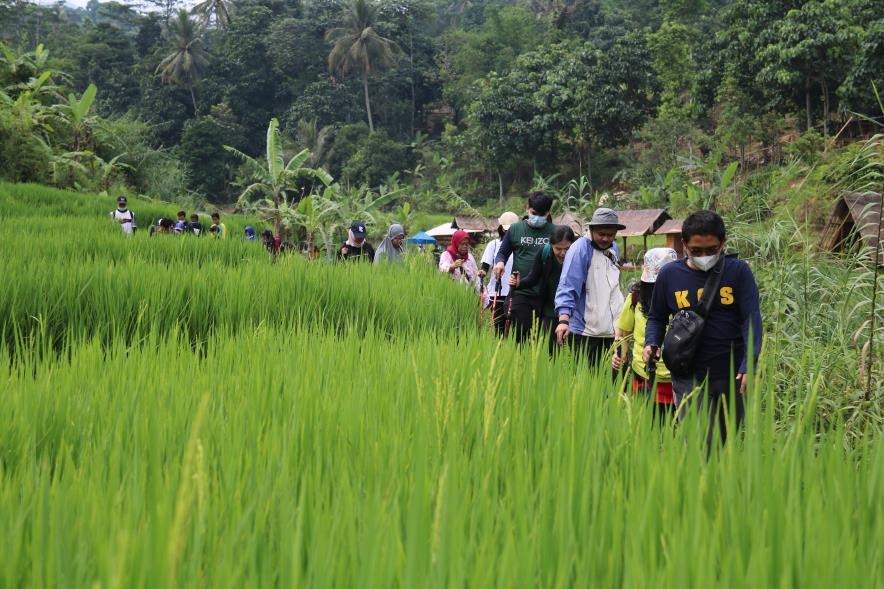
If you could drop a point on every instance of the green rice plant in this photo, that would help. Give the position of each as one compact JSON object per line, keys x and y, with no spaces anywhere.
{"x":433,"y":462}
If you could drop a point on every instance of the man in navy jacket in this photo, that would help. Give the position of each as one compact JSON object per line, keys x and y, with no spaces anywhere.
{"x":733,"y":325}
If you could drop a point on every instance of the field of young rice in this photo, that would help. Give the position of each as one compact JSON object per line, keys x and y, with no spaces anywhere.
{"x":186,"y":413}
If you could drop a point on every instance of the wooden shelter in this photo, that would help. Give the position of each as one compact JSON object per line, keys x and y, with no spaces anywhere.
{"x":671,"y":228}
{"x":474,"y":224}
{"x":573,"y":221}
{"x":855,"y":221}
{"x":640,"y":222}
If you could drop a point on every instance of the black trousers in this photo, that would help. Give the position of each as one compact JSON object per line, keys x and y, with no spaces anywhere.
{"x":497,"y":309}
{"x":593,"y":349}
{"x":523,"y":311}
{"x":718,"y":398}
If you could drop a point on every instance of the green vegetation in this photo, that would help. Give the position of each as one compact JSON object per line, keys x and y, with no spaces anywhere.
{"x":184,"y":411}
{"x":464,"y":104}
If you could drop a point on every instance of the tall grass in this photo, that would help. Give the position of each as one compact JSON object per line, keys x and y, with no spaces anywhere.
{"x":365,"y":461}
{"x":184,"y":412}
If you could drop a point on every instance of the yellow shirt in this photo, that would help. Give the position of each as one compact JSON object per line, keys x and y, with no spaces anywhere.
{"x":633,"y":321}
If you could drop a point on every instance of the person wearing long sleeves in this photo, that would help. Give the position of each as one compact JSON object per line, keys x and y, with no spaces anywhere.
{"x":588,"y":300}
{"x":545,"y":274}
{"x":733,"y":328}
{"x":524,"y":240}
{"x":457,"y":261}
{"x":392,"y":248}
{"x":498,"y":288}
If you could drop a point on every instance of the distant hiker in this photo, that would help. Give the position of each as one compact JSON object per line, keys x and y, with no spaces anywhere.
{"x":392,"y":248}
{"x":588,"y":300}
{"x":163,"y":226}
{"x":356,"y":247}
{"x":457,"y":261}
{"x":124,"y":216}
{"x":630,"y":331}
{"x":496,"y":298}
{"x":196,"y":228}
{"x":523,"y":240}
{"x":545,"y":274}
{"x":270,"y":243}
{"x":249,"y":233}
{"x":732,"y":325}
{"x":218,"y":229}
{"x":181,"y":225}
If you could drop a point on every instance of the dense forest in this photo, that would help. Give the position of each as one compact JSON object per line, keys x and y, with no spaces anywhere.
{"x":436,"y":104}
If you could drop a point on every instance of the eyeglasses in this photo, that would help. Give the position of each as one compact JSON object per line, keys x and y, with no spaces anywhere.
{"x":704,"y":251}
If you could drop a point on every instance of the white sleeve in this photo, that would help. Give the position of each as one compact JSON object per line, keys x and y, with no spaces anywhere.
{"x":490,"y":252}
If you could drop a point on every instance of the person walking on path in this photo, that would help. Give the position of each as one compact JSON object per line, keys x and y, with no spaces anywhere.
{"x":589,"y":300}
{"x":545,"y":273}
{"x":124,"y":216}
{"x":524,"y":240}
{"x":392,"y":248}
{"x":218,"y":229}
{"x":356,"y":247}
{"x":498,"y":288}
{"x":732,"y":331}
{"x":457,"y":261}
{"x":648,"y":377}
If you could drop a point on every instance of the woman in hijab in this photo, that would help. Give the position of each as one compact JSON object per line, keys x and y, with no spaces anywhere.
{"x":651,"y":379}
{"x":457,"y":260}
{"x":392,"y":247}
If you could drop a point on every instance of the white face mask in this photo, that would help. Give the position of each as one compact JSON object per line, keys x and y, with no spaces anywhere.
{"x":704,"y":263}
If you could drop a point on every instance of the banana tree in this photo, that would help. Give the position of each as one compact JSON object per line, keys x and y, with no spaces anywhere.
{"x":76,"y":113}
{"x":271,"y":180}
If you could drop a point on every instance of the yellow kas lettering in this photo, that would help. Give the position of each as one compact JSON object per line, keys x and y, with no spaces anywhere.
{"x":727,"y":295}
{"x":681,"y":299}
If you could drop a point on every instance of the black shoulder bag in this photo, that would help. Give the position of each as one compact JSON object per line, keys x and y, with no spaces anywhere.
{"x":683,"y":334}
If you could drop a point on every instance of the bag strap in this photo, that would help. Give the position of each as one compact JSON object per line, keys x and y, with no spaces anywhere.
{"x":712,"y":282}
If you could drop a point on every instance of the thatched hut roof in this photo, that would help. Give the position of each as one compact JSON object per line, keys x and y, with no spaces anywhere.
{"x":572,"y":221}
{"x":641,"y":221}
{"x":474,"y":224}
{"x":670,"y":227}
{"x":856,"y":215}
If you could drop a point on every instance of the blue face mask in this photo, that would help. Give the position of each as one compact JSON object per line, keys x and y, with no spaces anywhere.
{"x":536,"y":221}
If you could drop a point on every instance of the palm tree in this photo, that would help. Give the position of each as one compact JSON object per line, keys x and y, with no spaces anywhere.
{"x":309,"y":135}
{"x":220,"y":9}
{"x":357,"y":45}
{"x":274,"y":176}
{"x":186,"y":64}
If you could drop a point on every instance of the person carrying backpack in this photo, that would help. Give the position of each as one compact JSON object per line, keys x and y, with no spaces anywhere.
{"x":731,"y":327}
{"x":124,"y":216}
{"x":545,"y":274}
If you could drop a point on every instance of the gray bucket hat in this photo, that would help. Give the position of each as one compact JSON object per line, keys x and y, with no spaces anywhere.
{"x":603,"y":217}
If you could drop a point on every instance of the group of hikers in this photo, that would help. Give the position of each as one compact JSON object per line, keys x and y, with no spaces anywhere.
{"x":180,"y":226}
{"x":543,"y":277}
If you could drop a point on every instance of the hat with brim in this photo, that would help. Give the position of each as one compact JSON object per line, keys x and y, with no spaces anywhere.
{"x":603,"y":217}
{"x":507,"y":219}
{"x":655,"y":259}
{"x":358,"y":229}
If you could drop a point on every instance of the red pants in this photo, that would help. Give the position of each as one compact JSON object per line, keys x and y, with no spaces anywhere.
{"x":663,"y":394}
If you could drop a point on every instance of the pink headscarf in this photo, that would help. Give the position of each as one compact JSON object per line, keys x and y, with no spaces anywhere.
{"x":456,"y":240}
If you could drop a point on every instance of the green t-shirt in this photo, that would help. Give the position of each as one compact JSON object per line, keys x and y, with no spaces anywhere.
{"x":527,"y":242}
